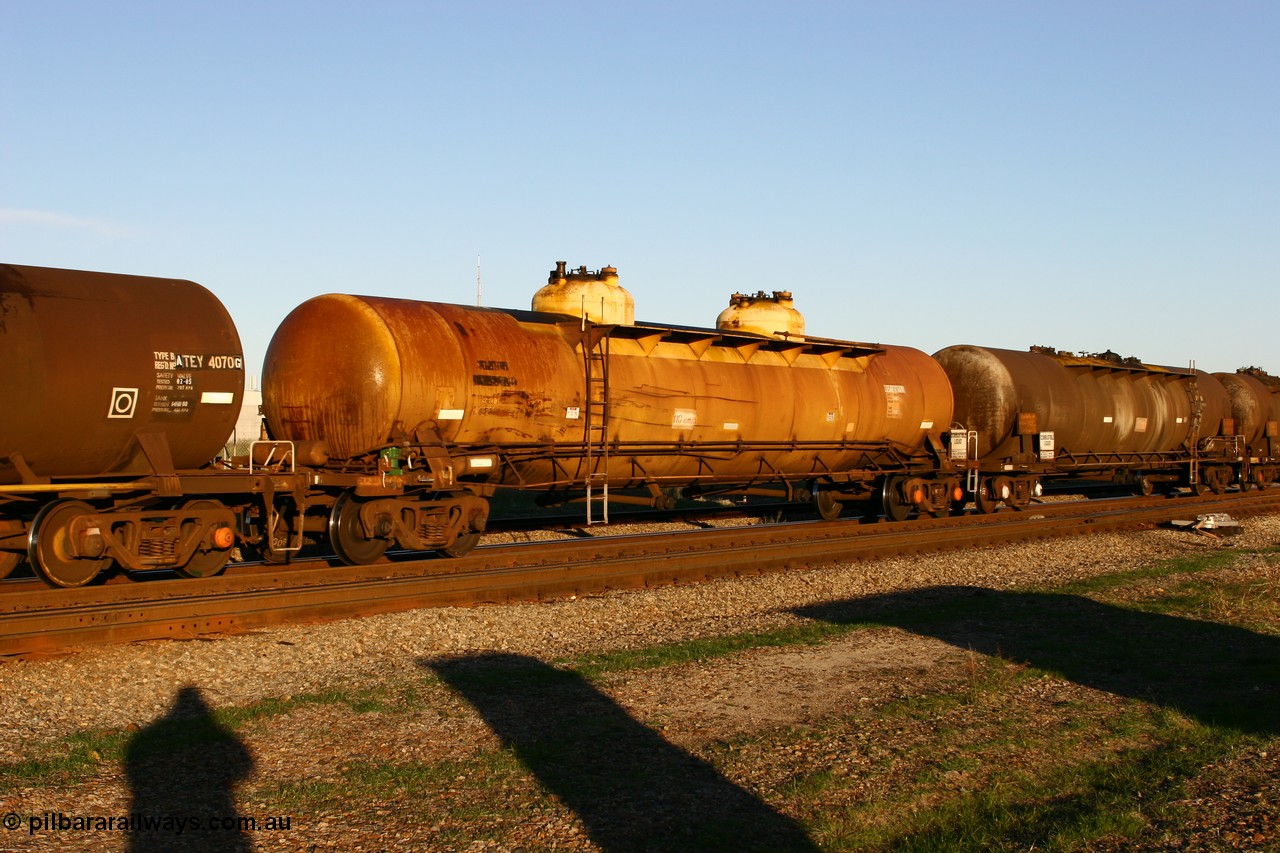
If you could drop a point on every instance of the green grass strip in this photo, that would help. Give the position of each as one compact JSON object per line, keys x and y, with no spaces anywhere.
{"x":1066,"y":808}
{"x":691,"y":651}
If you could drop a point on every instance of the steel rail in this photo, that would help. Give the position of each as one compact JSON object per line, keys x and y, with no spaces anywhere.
{"x":48,"y":620}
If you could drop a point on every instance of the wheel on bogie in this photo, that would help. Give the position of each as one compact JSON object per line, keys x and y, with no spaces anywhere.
{"x":346,"y":536}
{"x":462,"y":545}
{"x":51,"y":550}
{"x":891,"y":501}
{"x":828,"y":507}
{"x":9,"y":560}
{"x":11,"y":529}
{"x":984,"y":500}
{"x":270,"y":554}
{"x":203,"y":563}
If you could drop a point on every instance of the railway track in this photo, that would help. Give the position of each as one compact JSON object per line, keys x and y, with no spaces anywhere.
{"x":40,"y":620}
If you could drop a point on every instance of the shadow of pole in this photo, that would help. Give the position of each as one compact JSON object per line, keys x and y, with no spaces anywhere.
{"x":182,"y":770}
{"x":631,"y":788}
{"x":1218,"y":674}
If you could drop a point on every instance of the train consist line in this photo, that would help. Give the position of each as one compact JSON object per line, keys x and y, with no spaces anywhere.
{"x":183,"y":609}
{"x":396,"y":425}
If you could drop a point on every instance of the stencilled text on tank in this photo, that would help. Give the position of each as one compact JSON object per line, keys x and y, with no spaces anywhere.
{"x":197,"y":361}
{"x":493,"y":388}
{"x":893,"y":395}
{"x":175,"y":391}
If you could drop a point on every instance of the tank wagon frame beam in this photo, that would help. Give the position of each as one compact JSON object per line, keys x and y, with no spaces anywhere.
{"x":1220,"y":463}
{"x":567,"y":459}
{"x":922,"y":481}
{"x":1185,"y":467}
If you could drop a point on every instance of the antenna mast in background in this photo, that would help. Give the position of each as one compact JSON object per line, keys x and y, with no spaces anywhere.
{"x":479,"y":289}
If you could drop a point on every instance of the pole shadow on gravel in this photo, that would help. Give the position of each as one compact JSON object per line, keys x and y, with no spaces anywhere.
{"x":631,"y":788}
{"x":1217,"y":674}
{"x":182,"y":772}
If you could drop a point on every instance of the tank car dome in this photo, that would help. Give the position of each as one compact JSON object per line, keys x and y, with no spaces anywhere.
{"x":774,"y":316}
{"x":594,"y":295}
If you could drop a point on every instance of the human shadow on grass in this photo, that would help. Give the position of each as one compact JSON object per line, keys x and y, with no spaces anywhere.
{"x":631,"y":788}
{"x":1220,"y":675}
{"x":182,"y":771}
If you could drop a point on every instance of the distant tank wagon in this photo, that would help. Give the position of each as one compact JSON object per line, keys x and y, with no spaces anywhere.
{"x":1024,"y":416}
{"x":1255,"y":413}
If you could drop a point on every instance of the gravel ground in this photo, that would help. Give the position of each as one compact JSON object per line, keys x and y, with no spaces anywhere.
{"x":115,"y":687}
{"x":689,"y":705}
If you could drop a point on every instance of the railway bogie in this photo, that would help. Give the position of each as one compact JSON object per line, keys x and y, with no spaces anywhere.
{"x":361,"y":530}
{"x":180,"y":523}
{"x":903,"y":495}
{"x":991,"y":492}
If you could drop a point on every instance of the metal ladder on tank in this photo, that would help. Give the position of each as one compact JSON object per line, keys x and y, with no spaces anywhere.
{"x":595,"y":354}
{"x":1193,"y":432}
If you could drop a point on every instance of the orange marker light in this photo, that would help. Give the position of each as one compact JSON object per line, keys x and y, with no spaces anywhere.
{"x":224,"y":538}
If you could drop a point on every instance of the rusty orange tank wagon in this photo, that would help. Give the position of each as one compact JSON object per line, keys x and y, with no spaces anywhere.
{"x":582,"y":403}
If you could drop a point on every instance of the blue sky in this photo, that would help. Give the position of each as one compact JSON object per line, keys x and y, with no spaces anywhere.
{"x":1087,"y":175}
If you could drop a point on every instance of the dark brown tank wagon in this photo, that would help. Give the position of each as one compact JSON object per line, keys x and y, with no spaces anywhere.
{"x":113,"y":384}
{"x":1045,"y":413}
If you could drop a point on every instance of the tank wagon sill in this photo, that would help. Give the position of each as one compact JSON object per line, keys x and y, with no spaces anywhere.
{"x":700,"y":340}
